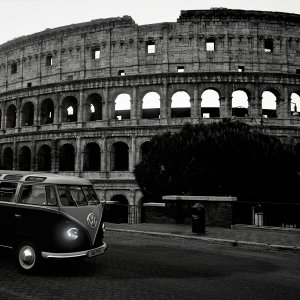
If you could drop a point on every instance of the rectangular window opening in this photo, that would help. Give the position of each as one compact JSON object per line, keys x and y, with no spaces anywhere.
{"x":151,"y":47}
{"x":29,"y":84}
{"x":210,"y":45}
{"x":268,"y":45}
{"x":298,"y":71}
{"x":96,"y":53}
{"x":122,"y":73}
{"x":49,"y":61}
{"x":180,"y":69}
{"x":14,"y":68}
{"x":241,"y":69}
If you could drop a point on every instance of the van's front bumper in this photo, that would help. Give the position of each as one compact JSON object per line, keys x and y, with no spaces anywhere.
{"x":86,"y":253}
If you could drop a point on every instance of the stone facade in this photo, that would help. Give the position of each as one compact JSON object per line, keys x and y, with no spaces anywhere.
{"x":59,"y":89}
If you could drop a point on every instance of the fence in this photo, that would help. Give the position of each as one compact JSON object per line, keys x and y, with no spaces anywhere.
{"x":250,"y":213}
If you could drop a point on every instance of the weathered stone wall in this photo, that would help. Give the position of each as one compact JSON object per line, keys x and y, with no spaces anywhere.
{"x":239,"y":38}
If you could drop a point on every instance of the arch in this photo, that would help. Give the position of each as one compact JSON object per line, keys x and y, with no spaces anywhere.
{"x":295,"y":104}
{"x":44,"y":158}
{"x":210,"y":104}
{"x":24,"y":159}
{"x":122,"y":106}
{"x":240,"y":104}
{"x":94,"y":107}
{"x":120,"y":157}
{"x":27,"y":114}
{"x":144,"y":149}
{"x":268,"y":104}
{"x":91,"y":157}
{"x":47,"y":111}
{"x":67,"y":158}
{"x":8,"y":159}
{"x":69,"y":109}
{"x":119,"y":209}
{"x":11,"y":116}
{"x":180,"y":105}
{"x":151,"y":106}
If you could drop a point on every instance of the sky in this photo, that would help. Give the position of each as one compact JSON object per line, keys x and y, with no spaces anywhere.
{"x":24,"y":17}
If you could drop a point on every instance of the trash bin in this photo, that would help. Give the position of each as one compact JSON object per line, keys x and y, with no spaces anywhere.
{"x":198,"y":218}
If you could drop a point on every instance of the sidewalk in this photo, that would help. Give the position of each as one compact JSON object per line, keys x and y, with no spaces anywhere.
{"x":240,"y":235}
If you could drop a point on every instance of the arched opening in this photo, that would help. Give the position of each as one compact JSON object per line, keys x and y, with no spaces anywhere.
{"x":91,"y":157}
{"x":295,"y":104}
{"x":181,"y":105}
{"x":67,"y":158}
{"x":120,"y":157}
{"x":210,"y":104}
{"x":240,"y":104}
{"x":24,"y":159}
{"x":94,"y":107}
{"x":27,"y":114}
{"x":151,"y":106}
{"x":47,"y":111}
{"x":269,"y":105}
{"x":122,"y":107}
{"x":144,"y":149}
{"x":8,"y":158}
{"x":44,"y":158}
{"x":11,"y":116}
{"x":69,"y":109}
{"x":116,"y":211}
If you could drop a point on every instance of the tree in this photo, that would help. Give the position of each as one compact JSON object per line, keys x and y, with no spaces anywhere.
{"x":224,"y":158}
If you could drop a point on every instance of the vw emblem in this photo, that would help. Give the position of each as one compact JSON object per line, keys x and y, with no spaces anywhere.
{"x":92,"y":220}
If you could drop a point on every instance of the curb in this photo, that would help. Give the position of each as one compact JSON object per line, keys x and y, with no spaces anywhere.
{"x":234,"y":243}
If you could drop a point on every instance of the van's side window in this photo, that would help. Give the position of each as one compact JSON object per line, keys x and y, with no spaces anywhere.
{"x":51,"y":196}
{"x":38,"y":195}
{"x":65,"y":196}
{"x":7,"y":191}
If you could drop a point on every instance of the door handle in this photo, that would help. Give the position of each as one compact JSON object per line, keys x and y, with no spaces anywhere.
{"x":17,"y":216}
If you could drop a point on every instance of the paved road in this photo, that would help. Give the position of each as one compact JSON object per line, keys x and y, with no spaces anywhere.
{"x":159,"y":268}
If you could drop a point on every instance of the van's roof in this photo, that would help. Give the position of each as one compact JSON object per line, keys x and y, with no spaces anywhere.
{"x":28,"y":176}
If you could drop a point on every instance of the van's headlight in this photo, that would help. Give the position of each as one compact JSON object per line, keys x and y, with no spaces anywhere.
{"x":72,"y":234}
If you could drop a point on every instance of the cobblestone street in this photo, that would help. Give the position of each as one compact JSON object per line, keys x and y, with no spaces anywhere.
{"x":159,"y":268}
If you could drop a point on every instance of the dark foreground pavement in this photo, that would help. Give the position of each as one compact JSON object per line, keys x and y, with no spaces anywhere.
{"x":154,"y":267}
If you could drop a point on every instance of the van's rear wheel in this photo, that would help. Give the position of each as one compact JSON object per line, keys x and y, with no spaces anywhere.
{"x":28,"y":258}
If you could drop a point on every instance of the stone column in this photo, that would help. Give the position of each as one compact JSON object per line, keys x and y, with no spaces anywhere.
{"x":78,"y":167}
{"x":195,"y":104}
{"x":132,"y":158}
{"x":105,"y":111}
{"x":80,"y":108}
{"x":18,"y":113}
{"x":3,"y":116}
{"x":133,"y":112}
{"x":15,"y":155}
{"x":54,"y":156}
{"x":56,"y":109}
{"x":37,"y":121}
{"x":164,"y":105}
{"x":104,"y":157}
{"x":34,"y":157}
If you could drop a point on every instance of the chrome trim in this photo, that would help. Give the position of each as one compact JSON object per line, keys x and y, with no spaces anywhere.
{"x":74,"y":254}
{"x":6,"y":246}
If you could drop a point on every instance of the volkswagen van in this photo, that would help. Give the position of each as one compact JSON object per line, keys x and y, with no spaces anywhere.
{"x":49,"y":216}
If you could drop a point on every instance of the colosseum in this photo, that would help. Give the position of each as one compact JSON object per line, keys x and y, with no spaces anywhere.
{"x":85,"y":99}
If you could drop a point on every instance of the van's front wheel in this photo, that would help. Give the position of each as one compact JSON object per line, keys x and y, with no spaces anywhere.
{"x":28,"y":258}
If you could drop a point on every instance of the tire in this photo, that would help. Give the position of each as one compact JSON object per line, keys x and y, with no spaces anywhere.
{"x":28,"y":258}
